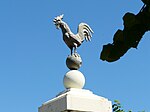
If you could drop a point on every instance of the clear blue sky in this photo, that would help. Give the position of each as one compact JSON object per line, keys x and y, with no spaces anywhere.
{"x":33,"y":54}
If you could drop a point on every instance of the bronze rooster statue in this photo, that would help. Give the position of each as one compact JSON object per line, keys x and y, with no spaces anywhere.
{"x":73,"y":40}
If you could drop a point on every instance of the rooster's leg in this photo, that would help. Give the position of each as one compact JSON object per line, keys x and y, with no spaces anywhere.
{"x":75,"y":49}
{"x":71,"y":50}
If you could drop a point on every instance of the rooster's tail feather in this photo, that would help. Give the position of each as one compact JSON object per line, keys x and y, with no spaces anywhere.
{"x":84,"y":32}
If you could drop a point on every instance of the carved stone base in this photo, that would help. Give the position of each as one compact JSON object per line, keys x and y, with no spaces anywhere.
{"x":77,"y":100}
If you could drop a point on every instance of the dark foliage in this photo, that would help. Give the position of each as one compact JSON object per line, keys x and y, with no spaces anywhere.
{"x":135,"y":27}
{"x":117,"y":107}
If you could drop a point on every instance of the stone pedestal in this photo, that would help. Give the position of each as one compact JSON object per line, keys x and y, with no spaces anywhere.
{"x":77,"y":100}
{"x":74,"y":98}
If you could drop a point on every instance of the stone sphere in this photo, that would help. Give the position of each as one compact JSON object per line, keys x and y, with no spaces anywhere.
{"x":74,"y":61}
{"x":74,"y":79}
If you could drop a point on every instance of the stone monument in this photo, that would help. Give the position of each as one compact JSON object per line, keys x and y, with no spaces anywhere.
{"x":75,"y":98}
